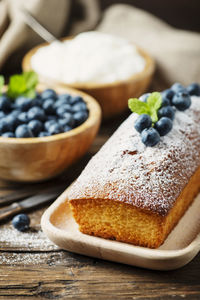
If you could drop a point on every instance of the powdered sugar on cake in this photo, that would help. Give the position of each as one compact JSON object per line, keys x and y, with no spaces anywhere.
{"x":150,"y":178}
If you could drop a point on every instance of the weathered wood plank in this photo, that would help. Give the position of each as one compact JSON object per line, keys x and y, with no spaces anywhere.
{"x":62,"y":274}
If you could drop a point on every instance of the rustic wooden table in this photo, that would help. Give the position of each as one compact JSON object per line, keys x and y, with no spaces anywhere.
{"x":33,"y":268}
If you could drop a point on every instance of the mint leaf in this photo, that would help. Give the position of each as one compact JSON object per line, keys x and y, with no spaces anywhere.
{"x":2,"y":81}
{"x":22,"y":85}
{"x":154,"y":102}
{"x":154,"y":116}
{"x":31,"y":79}
{"x":138,"y":106}
{"x":151,"y":107}
{"x":16,"y":86}
{"x":30,"y":94}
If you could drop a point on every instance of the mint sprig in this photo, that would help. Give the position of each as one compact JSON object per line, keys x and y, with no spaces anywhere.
{"x":22,"y":85}
{"x":151,"y":107}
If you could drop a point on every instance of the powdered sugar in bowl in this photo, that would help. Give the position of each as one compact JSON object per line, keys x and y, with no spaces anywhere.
{"x":109,"y":68}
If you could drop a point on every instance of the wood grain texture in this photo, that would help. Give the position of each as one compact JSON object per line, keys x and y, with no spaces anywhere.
{"x":39,"y":273}
{"x":36,"y":159}
{"x":61,"y":275}
{"x":112,"y":97}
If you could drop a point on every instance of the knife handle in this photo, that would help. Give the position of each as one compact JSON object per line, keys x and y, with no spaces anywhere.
{"x":10,"y":210}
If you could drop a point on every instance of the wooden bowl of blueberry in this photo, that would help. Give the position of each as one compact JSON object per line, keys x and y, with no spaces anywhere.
{"x":43,"y":131}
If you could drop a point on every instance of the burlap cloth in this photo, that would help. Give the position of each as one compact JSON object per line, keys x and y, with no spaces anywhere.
{"x":177,"y":52}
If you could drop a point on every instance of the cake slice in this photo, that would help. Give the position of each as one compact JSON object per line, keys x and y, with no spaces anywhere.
{"x":136,"y":194}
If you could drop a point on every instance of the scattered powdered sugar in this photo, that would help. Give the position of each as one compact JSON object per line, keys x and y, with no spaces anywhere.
{"x":30,"y":240}
{"x":22,"y":258}
{"x":33,"y":241}
{"x":147,"y":177}
{"x":31,"y":258}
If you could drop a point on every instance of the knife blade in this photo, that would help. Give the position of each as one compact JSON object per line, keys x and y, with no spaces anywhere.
{"x":31,"y":202}
{"x":37,"y":27}
{"x":25,"y":192}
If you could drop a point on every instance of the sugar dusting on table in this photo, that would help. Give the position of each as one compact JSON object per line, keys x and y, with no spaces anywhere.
{"x":28,"y":248}
{"x":30,"y":240}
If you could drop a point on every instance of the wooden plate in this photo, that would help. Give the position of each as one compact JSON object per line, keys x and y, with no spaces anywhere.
{"x":112,"y":97}
{"x":180,"y":247}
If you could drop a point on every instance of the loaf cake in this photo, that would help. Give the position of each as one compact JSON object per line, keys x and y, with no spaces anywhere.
{"x":136,"y":194}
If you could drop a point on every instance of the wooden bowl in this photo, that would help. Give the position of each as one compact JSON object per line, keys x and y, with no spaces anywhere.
{"x":112,"y":97}
{"x":37,"y":159}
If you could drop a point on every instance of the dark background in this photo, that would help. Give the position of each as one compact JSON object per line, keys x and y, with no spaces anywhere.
{"x":183,"y":14}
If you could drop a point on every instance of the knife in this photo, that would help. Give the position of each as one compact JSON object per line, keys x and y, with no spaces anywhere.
{"x":22,"y":193}
{"x":30,"y":202}
{"x":37,"y":27}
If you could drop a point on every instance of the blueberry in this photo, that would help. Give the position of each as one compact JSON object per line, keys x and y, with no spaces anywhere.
{"x":144,"y":97}
{"x":36,"y":113}
{"x":5,"y":104}
{"x":67,"y":120}
{"x":67,"y":128}
{"x":43,"y":134}
{"x":13,"y":106}
{"x":37,"y":102}
{"x":48,"y":93}
{"x":80,"y":117}
{"x":23,"y":118}
{"x":177,"y":87}
{"x":15,"y":113}
{"x":48,"y":106}
{"x":193,"y":89}
{"x":60,"y":102}
{"x":142,"y":122}
{"x":36,"y":126}
{"x":2,"y":114}
{"x":79,"y":106}
{"x":48,"y":123}
{"x":150,"y":137}
{"x":3,"y":126}
{"x":55,"y":129}
{"x":23,"y":131}
{"x":12,"y":122}
{"x":23,"y":103}
{"x":165,"y":101}
{"x":51,"y":117}
{"x":21,"y":222}
{"x":65,"y":97}
{"x":181,"y":101}
{"x":168,"y":94}
{"x":163,"y":126}
{"x":8,"y":134}
{"x":37,"y":95}
{"x":76,"y":99}
{"x":166,"y":111}
{"x":63,"y":109}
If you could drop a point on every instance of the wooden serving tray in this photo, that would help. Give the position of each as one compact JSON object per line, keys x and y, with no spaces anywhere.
{"x":180,"y":247}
